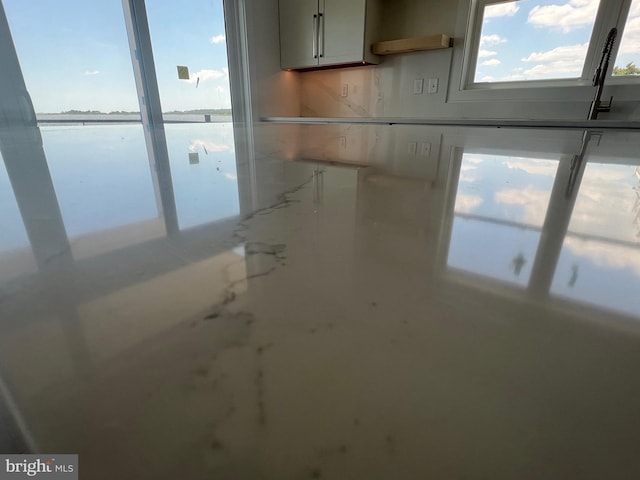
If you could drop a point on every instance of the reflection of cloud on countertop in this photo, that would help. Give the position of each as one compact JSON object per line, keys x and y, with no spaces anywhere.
{"x":534,"y":201}
{"x":469,"y":168}
{"x":605,"y":202}
{"x":605,"y":255}
{"x":469,"y":177}
{"x":210,"y":146}
{"x":467,"y":203}
{"x":533,"y":166}
{"x":471,"y":158}
{"x":469,"y":173}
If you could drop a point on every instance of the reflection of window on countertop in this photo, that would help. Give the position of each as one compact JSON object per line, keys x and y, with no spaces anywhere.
{"x":601,"y":245}
{"x":501,"y":202}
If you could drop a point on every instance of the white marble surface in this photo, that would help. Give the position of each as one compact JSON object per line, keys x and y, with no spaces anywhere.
{"x":364,"y":312}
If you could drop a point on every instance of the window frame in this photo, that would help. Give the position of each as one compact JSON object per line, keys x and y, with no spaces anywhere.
{"x":611,"y":13}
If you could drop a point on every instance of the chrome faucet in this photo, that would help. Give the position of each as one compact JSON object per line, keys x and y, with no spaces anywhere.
{"x":597,"y":105}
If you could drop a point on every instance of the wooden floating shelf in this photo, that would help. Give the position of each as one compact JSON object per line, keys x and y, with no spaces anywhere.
{"x":415,"y":44}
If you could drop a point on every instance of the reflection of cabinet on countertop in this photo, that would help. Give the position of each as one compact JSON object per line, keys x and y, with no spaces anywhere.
{"x":327,"y":33}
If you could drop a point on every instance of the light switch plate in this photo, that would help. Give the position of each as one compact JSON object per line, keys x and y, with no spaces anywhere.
{"x":433,"y":85}
{"x":418,"y":86}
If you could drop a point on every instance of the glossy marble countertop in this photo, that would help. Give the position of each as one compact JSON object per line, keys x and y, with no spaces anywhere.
{"x":322,"y":301}
{"x":478,"y":122}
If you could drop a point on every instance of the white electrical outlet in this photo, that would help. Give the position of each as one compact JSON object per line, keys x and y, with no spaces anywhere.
{"x":418,"y":86}
{"x":345,"y":90}
{"x":425,"y":149}
{"x":412,"y":148}
{"x":433,"y":85}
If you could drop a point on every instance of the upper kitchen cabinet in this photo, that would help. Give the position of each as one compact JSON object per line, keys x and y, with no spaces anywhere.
{"x":327,"y":33}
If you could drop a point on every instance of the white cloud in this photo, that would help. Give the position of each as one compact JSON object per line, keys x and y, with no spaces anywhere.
{"x":567,"y":16}
{"x":491,"y":63}
{"x":501,"y":10}
{"x":562,"y":61}
{"x":486,"y":53}
{"x":605,"y":255}
{"x":533,"y":166}
{"x":467,"y":203}
{"x":631,"y":36}
{"x":534,"y":201}
{"x":208,"y":75}
{"x":92,"y":72}
{"x":230,"y":176}
{"x":493,"y":39}
{"x":216,"y":39}
{"x":488,"y":78}
{"x":567,"y":52}
{"x":475,"y":159}
{"x":469,"y":174}
{"x":606,"y":202}
{"x":469,"y":169}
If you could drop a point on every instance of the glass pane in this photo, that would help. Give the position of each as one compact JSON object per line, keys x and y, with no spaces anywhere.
{"x":534,"y":39}
{"x":628,"y":61}
{"x":602,"y":246}
{"x":191,"y":36}
{"x":74,"y":56}
{"x":501,"y":203}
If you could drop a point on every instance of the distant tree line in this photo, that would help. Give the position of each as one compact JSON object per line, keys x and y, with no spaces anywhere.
{"x":629,"y":69}
{"x":203,"y":111}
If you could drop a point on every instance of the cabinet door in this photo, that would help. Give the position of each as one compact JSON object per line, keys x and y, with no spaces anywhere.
{"x":298,"y":33}
{"x":342,"y":31}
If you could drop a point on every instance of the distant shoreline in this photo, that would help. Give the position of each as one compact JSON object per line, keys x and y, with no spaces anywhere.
{"x":110,"y":118}
{"x":201,"y":111}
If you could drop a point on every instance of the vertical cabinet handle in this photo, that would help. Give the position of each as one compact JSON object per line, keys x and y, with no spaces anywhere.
{"x":315,"y":36}
{"x":321,"y":34}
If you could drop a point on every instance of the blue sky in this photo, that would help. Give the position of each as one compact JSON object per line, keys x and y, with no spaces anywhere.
{"x":542,"y":39}
{"x":75,"y":54}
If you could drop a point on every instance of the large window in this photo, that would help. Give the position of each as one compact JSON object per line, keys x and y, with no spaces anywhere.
{"x":533,"y":39}
{"x":542,"y":41}
{"x":74,"y":57}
